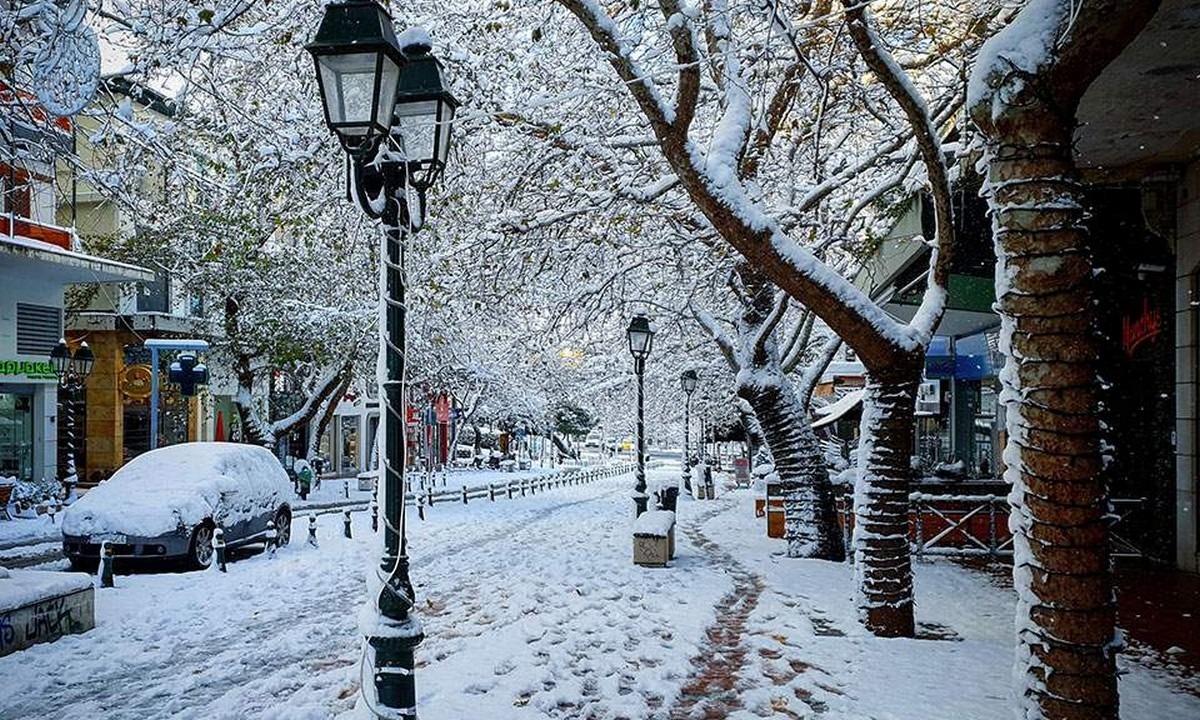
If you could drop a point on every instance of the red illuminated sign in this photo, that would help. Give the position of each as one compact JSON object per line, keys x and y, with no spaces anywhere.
{"x":1143,"y":329}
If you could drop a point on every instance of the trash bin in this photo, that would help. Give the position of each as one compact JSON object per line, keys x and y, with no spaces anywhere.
{"x":668,"y":498}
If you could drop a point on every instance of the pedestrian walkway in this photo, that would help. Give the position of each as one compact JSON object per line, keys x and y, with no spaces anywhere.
{"x":1159,"y":608}
{"x":712,"y":693}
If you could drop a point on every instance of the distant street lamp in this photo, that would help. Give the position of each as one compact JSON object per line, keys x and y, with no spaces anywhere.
{"x":688,"y":382}
{"x":72,"y":370}
{"x":641,"y":339}
{"x":386,"y":100}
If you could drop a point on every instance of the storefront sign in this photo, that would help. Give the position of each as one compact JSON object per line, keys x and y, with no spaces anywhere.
{"x":1140,"y":330}
{"x":29,"y":369}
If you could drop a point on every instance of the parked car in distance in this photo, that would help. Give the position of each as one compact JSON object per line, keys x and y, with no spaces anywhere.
{"x":166,"y":503}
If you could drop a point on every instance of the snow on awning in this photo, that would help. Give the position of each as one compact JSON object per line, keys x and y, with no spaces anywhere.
{"x":48,"y":261}
{"x":832,"y":413}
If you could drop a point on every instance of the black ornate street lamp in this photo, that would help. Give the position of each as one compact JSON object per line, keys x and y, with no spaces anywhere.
{"x":641,"y":340}
{"x":386,"y":100}
{"x":687,"y":381}
{"x":72,"y":370}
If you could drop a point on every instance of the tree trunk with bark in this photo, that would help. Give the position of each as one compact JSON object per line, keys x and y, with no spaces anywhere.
{"x":756,"y":441}
{"x":809,"y":515}
{"x":325,"y":416}
{"x":1024,"y":104}
{"x":882,"y":564}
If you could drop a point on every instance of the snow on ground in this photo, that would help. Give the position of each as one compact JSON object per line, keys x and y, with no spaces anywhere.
{"x":21,"y":530}
{"x":533,"y":609}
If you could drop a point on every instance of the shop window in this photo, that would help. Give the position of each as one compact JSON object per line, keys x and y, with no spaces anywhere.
{"x":16,"y":436}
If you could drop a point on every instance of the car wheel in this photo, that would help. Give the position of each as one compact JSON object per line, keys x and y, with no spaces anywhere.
{"x":283,"y":527}
{"x":200,"y":552}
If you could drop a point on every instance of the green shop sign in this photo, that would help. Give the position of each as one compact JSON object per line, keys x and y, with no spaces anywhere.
{"x":29,"y":369}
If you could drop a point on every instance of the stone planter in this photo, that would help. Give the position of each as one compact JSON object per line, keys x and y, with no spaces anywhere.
{"x":38,"y":606}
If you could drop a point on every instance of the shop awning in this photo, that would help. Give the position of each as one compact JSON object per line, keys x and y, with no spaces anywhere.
{"x":30,"y":257}
{"x":832,"y":413}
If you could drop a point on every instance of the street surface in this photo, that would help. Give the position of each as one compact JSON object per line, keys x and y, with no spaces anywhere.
{"x":533,"y":609}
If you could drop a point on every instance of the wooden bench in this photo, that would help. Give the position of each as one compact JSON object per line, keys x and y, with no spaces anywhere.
{"x":654,"y":538}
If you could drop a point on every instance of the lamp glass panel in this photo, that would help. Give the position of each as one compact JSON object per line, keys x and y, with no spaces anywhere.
{"x":639,"y":342}
{"x":60,"y":358}
{"x":349,"y":85}
{"x":417,"y":123}
{"x":445,"y":123}
{"x":389,"y":77}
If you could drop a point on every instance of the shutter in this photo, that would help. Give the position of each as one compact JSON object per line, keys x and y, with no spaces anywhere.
{"x":39,"y":328}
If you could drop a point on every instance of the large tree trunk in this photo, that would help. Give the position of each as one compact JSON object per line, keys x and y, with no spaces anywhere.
{"x":809,"y":515}
{"x":254,"y":430}
{"x":1024,"y":103}
{"x":882,"y":561}
{"x":325,"y":416}
{"x":756,"y":440}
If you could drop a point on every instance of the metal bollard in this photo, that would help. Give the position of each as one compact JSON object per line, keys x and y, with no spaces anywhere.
{"x":374,"y":516}
{"x":272,"y":539}
{"x":429,"y":497}
{"x":464,"y":494}
{"x":346,"y":488}
{"x":218,"y":543}
{"x":421,"y":508}
{"x":346,"y":522}
{"x":510,"y":491}
{"x":491,"y":492}
{"x":312,"y":530}
{"x":106,"y":565}
{"x":523,"y":488}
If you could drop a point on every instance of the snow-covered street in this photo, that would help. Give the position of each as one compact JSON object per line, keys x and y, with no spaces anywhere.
{"x":533,"y":608}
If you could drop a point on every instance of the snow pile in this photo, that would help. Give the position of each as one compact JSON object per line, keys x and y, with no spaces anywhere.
{"x":160,"y":490}
{"x":654,"y":523}
{"x":19,"y":588}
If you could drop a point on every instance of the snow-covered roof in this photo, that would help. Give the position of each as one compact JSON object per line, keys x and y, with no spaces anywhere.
{"x":832,"y":412}
{"x":27,"y":254}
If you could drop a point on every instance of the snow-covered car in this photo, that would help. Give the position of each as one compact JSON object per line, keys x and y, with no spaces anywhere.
{"x":165,"y":504}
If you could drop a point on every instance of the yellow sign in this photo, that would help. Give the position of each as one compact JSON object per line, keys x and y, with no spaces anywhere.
{"x":135,"y":382}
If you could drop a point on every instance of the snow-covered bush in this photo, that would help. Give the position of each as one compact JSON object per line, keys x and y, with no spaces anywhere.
{"x":32,"y":492}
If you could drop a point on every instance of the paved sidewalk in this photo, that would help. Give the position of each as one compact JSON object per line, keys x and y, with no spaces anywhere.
{"x":1160,"y":608}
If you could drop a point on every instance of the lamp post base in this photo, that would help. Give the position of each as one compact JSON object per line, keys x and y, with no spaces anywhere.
{"x":392,"y":661}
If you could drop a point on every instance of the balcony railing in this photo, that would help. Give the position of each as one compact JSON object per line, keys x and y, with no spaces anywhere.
{"x":61,"y":237}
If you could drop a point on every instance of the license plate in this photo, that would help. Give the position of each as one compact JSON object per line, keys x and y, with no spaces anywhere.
{"x":109,"y":538}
